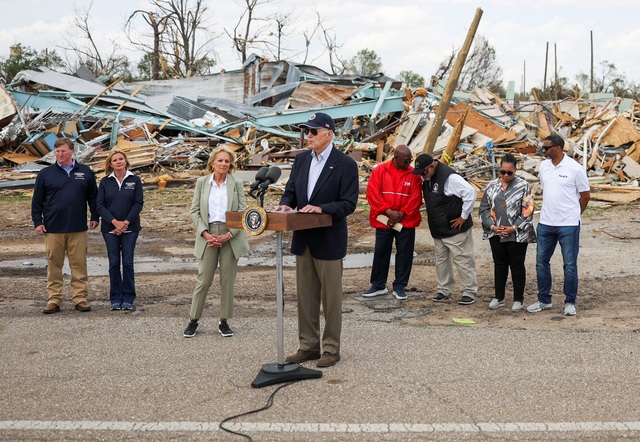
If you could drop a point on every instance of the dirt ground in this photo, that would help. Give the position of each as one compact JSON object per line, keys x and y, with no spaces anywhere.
{"x":608,"y":266}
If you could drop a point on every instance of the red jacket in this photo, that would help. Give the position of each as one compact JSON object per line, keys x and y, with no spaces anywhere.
{"x":392,"y":188}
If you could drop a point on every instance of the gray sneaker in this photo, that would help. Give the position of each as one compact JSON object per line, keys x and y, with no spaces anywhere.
{"x":496,"y":303}
{"x":516,"y":307}
{"x":538,"y":307}
{"x":569,"y":309}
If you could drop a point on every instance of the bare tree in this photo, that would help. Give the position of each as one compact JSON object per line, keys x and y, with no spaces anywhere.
{"x":158,"y":25}
{"x":480,"y":69}
{"x":609,"y":80}
{"x":85,"y":50}
{"x":282,"y":22}
{"x":338,"y":66}
{"x":242,"y":35}
{"x":179,"y":38}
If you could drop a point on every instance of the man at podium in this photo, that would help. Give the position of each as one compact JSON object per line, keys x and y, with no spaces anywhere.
{"x":322,"y":180}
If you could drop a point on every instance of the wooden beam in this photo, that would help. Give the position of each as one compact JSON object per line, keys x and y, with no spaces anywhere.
{"x":452,"y":83}
{"x":454,"y":140}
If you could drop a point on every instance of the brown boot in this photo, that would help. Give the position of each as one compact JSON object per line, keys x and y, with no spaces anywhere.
{"x":51,"y":308}
{"x":302,"y":356}
{"x":83,"y":306}
{"x":328,"y":360}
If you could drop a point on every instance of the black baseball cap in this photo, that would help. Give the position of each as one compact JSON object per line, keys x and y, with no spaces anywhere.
{"x":422,"y":162}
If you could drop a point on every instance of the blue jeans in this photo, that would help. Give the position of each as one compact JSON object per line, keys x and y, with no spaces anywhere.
{"x":405,"y":240}
{"x":123,"y":287}
{"x":569,"y":239}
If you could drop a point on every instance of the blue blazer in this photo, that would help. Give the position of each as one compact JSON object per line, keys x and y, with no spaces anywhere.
{"x":336,"y":193}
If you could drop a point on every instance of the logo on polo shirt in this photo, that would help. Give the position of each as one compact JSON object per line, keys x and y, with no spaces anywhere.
{"x":78,"y":175}
{"x":129,"y":186}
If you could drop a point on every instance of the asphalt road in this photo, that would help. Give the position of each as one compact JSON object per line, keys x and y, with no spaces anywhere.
{"x":132,"y":376}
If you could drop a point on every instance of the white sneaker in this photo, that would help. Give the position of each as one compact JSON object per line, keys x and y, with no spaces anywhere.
{"x":516,"y":307}
{"x":538,"y":307}
{"x":495,"y":303}
{"x":569,"y":309}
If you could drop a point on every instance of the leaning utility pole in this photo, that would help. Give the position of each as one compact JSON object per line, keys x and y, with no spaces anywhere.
{"x":452,"y":83}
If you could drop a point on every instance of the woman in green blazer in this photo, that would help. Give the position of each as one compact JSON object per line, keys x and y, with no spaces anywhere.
{"x":216,"y":194}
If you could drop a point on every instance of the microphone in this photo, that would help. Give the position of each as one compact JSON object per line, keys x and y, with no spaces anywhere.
{"x":272,"y":176}
{"x":260,"y":176}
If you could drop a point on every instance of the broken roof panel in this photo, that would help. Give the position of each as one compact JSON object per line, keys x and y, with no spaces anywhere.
{"x":314,"y":95}
{"x":7,"y":107}
{"x":388,"y":105}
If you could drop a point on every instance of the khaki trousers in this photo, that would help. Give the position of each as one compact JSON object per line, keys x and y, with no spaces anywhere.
{"x":74,"y":245}
{"x":456,"y":250}
{"x":319,"y":281}
{"x":207,"y":269}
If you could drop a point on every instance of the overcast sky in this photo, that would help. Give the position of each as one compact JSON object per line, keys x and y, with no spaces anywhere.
{"x":410,"y":35}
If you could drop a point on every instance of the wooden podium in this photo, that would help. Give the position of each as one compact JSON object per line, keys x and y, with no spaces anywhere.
{"x":279,"y":222}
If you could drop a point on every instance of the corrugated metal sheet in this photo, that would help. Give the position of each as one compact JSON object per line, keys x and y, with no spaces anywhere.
{"x":311,"y":95}
{"x":184,"y":108}
{"x":84,"y":73}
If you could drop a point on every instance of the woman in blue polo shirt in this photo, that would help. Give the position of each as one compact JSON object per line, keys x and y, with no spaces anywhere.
{"x":120,"y":201}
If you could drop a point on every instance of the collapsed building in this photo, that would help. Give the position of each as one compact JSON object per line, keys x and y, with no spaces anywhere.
{"x":168,"y":127}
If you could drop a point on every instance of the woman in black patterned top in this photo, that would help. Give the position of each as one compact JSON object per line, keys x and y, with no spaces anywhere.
{"x":506,"y":213}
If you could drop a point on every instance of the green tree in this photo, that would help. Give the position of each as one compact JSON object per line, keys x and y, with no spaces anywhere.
{"x":365,"y":62}
{"x":146,"y":69}
{"x":24,"y":58}
{"x":412,"y":79}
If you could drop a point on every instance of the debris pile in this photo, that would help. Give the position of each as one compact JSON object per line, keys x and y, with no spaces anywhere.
{"x":167,"y":128}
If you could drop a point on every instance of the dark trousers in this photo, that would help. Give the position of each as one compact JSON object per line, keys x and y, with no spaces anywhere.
{"x":507,"y":255}
{"x":405,"y":240}
{"x":120,"y":251}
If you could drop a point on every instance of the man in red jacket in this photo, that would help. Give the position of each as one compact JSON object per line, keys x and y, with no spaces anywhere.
{"x":395,"y":197}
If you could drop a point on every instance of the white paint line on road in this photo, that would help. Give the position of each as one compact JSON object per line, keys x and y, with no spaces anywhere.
{"x":283,"y":427}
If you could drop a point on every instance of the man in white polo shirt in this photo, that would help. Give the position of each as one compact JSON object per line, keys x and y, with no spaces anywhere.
{"x":565,"y":195}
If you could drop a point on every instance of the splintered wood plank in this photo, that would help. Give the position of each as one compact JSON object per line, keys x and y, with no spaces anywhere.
{"x":407,"y":129}
{"x":616,"y":197}
{"x":476,"y":121}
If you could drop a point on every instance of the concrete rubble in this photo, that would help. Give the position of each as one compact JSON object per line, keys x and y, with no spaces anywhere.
{"x":167,"y":128}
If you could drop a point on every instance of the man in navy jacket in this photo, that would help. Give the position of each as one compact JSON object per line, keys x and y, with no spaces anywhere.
{"x":322,"y":180}
{"x":59,"y":213}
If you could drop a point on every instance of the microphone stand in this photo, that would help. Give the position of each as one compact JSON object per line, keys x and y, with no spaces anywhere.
{"x":280,"y":371}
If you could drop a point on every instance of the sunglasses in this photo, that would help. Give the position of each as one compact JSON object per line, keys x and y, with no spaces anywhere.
{"x":506,"y":172}
{"x":548,"y":147}
{"x":311,"y":130}
{"x":403,"y":161}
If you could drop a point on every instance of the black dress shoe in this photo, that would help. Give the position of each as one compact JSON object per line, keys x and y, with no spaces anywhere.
{"x":51,"y":308}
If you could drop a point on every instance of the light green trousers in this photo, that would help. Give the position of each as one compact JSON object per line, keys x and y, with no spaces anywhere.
{"x":207,"y":269}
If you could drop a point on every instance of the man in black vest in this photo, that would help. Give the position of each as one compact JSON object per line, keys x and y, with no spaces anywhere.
{"x":449,"y":200}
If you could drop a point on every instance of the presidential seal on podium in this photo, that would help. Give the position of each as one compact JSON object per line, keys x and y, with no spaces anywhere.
{"x":254,"y":220}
